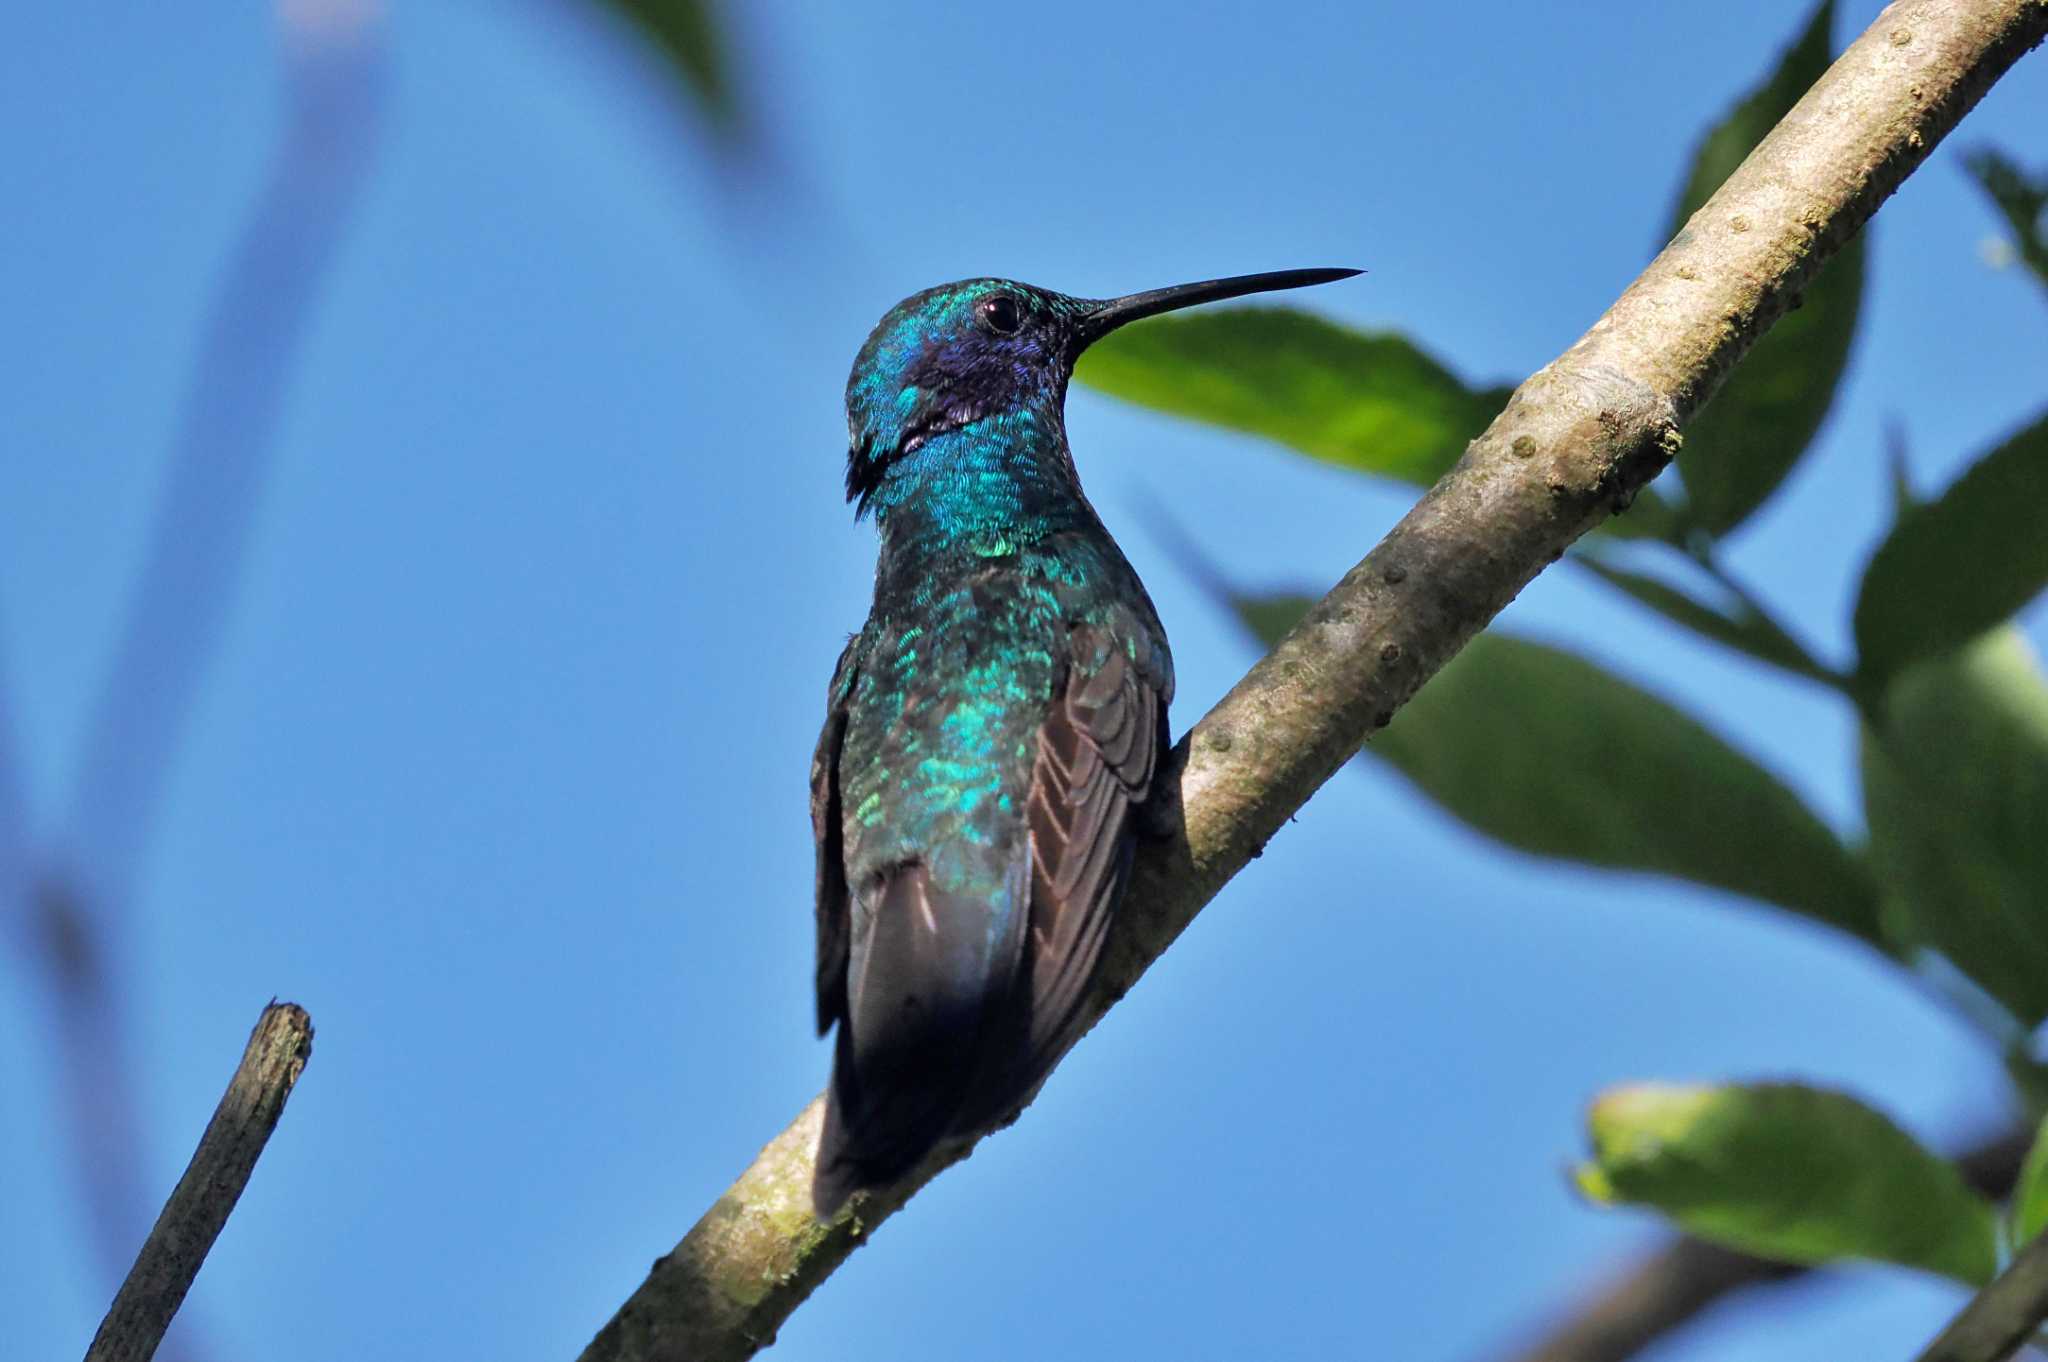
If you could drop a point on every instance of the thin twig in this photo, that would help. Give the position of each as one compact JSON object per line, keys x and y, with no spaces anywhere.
{"x":2002,"y":1316}
{"x":278,"y":1050}
{"x":1574,"y":445}
{"x":1653,"y":1298}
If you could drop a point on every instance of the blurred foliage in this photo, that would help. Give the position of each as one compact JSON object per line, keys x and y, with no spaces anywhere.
{"x":2022,"y":198}
{"x":1955,"y":788}
{"x":1790,"y":1173}
{"x":688,"y":36}
{"x":1371,"y":402}
{"x":1954,"y":567}
{"x":1549,"y":753}
{"x":1742,"y":626}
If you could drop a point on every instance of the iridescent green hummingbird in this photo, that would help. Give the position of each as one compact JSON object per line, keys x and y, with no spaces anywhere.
{"x":994,"y":728}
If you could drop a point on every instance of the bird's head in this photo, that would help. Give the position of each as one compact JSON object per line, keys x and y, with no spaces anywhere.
{"x":961,"y":353}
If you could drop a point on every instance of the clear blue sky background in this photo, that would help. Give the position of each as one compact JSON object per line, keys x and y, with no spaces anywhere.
{"x":500,"y":765}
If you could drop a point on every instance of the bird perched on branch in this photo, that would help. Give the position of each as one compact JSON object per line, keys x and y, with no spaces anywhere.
{"x":992,"y":731}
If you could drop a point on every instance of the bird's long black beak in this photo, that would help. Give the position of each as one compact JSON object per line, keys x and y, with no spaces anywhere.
{"x":1107,"y":315}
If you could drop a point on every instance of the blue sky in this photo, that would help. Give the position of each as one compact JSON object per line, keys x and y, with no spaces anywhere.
{"x":499,"y":763}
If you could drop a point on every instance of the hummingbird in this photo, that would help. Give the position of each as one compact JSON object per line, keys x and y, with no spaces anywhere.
{"x":993,"y":733}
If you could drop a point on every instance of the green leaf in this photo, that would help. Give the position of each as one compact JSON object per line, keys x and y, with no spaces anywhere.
{"x":1375,"y":403}
{"x":1741,"y":628}
{"x":1958,"y":565}
{"x":1744,"y":443}
{"x":2021,"y":198}
{"x":1550,"y":754}
{"x":1371,"y":402}
{"x":1790,"y":1173}
{"x":686,"y":34}
{"x":1955,"y":787}
{"x":2030,"y":1198}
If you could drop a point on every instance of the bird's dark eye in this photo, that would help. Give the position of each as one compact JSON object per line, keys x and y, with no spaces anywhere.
{"x":1000,"y":313}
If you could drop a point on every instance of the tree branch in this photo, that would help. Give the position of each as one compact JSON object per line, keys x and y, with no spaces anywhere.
{"x":1572,"y":447}
{"x":192,"y":1219}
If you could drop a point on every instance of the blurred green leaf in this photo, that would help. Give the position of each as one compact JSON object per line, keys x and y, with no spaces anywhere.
{"x":686,"y":34}
{"x":1955,"y":788}
{"x":2030,"y":1198}
{"x":1375,"y":403}
{"x":1742,"y":445}
{"x":1741,"y":628}
{"x":1548,"y":753}
{"x":1959,"y":564}
{"x":2021,"y":198}
{"x":1788,"y":1172}
{"x":1370,"y":402}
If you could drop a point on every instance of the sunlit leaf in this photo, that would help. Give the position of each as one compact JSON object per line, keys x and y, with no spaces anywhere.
{"x":1736,"y":627}
{"x":1750,"y":435}
{"x":1790,"y":1173}
{"x":1959,"y":564}
{"x":1373,"y":402}
{"x":1955,"y":787}
{"x":687,"y":34}
{"x":2022,"y":198}
{"x":1550,"y":754}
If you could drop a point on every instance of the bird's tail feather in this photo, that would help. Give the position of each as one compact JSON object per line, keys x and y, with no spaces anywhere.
{"x":927,"y":996}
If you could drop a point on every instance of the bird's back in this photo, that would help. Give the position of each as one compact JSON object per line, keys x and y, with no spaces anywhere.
{"x":992,"y":731}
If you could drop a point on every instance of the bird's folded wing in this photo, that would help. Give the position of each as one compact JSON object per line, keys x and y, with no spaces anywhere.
{"x":1096,"y":755}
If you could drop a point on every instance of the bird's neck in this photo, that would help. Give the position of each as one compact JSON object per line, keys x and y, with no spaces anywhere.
{"x":979,"y":492}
